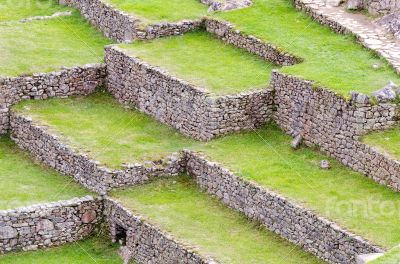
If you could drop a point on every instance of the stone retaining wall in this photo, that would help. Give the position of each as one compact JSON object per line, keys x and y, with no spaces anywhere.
{"x":146,"y":243}
{"x":123,"y":27}
{"x":334,"y":124}
{"x":228,"y":33}
{"x":48,"y":225}
{"x":51,"y":150}
{"x":191,"y":110}
{"x":72,"y":81}
{"x":315,"y":234}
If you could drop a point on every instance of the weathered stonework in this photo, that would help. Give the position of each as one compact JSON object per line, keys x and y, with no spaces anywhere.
{"x":147,"y":243}
{"x":301,"y":226}
{"x":370,"y":35}
{"x":191,"y":110}
{"x":228,"y":33}
{"x":123,"y":27}
{"x":334,"y":124}
{"x":68,"y":82}
{"x":379,"y":7}
{"x":47,"y":225}
{"x":51,"y":150}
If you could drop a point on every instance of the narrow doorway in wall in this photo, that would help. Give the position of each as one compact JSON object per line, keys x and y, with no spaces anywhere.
{"x":120,"y":235}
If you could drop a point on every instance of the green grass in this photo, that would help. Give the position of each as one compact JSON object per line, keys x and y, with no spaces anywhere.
{"x":17,"y":10}
{"x":154,"y":11}
{"x":101,"y":127}
{"x":94,"y":250}
{"x":47,"y":45}
{"x":206,"y":62}
{"x":23,"y":182}
{"x":333,"y":60}
{"x":387,"y":141}
{"x":177,"y":206}
{"x":340,"y":194}
{"x":390,"y":257}
{"x":113,"y":136}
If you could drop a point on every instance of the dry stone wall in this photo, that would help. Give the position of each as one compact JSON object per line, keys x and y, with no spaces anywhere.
{"x":123,"y":27}
{"x":315,"y":234}
{"x":72,"y":81}
{"x":191,"y":110}
{"x":227,"y":32}
{"x":51,"y":150}
{"x":48,"y":225}
{"x":146,"y":243}
{"x":334,"y":123}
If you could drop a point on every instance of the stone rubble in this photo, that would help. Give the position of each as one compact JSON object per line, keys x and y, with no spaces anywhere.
{"x":391,"y":23}
{"x":226,"y":5}
{"x":387,"y":93}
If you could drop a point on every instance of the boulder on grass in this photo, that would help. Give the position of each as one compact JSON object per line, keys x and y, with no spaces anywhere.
{"x":387,"y":93}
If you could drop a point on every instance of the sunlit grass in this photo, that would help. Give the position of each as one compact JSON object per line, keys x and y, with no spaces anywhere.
{"x":177,"y":206}
{"x":387,"y":141}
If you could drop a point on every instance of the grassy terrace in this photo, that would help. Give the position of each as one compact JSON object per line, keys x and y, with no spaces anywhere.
{"x":45,"y":45}
{"x":114,"y":136}
{"x":332,"y":60}
{"x":387,"y":141}
{"x":23,"y":182}
{"x":167,"y":10}
{"x":177,"y":206}
{"x":206,"y":62}
{"x":94,"y":250}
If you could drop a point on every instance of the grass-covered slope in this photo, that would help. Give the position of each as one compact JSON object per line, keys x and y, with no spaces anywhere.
{"x":390,"y":257}
{"x":45,"y":45}
{"x":155,"y":11}
{"x":206,"y":62}
{"x":113,"y":136}
{"x":100,"y":126}
{"x":333,"y":60}
{"x":23,"y":182}
{"x":177,"y":206}
{"x":387,"y":141}
{"x":342,"y":195}
{"x":94,"y":250}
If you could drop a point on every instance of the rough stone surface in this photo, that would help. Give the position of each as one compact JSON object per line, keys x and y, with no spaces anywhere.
{"x":191,"y":110}
{"x":147,"y":243}
{"x":391,"y":22}
{"x":335,"y":124}
{"x":379,"y":7}
{"x":51,"y":150}
{"x":355,"y":4}
{"x":72,"y":81}
{"x":315,"y":234}
{"x":229,"y":34}
{"x":325,"y":164}
{"x":387,"y":93}
{"x":47,"y":225}
{"x":225,"y":5}
{"x":123,"y":27}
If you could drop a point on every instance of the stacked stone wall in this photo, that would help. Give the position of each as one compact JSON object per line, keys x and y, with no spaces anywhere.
{"x":123,"y":27}
{"x":334,"y":123}
{"x":48,"y":225}
{"x":301,"y":226}
{"x":68,"y":82}
{"x":146,"y":243}
{"x":50,"y":150}
{"x":228,"y":33}
{"x":191,"y":110}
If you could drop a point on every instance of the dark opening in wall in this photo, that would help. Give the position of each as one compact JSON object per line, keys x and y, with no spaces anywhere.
{"x":120,"y":235}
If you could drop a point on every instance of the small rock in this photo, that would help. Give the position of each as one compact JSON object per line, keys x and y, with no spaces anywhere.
{"x":376,"y":66}
{"x":355,"y":4}
{"x":325,"y":164}
{"x":360,"y":98}
{"x":387,"y":93}
{"x":89,"y":217}
{"x":296,"y":142}
{"x":334,"y":2}
{"x":7,"y":232}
